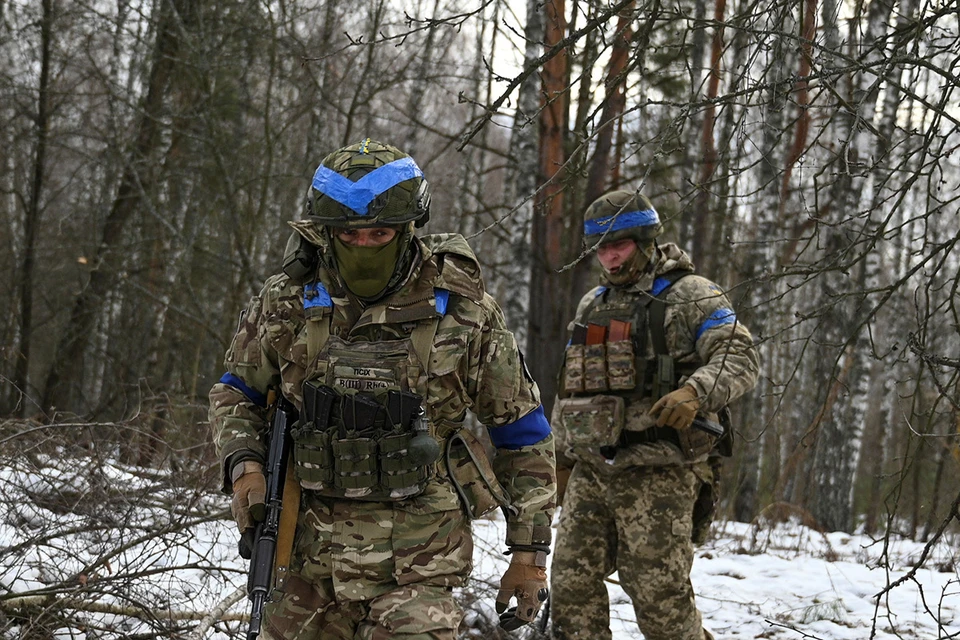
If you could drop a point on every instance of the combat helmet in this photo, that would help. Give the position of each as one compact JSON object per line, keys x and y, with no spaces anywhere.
{"x":368,"y":184}
{"x":618,"y":215}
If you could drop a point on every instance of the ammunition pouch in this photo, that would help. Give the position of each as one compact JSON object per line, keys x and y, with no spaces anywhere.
{"x":473,"y":476}
{"x":359,"y":446}
{"x":612,"y":367}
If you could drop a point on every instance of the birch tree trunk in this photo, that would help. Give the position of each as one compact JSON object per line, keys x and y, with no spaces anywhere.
{"x":523,"y":178}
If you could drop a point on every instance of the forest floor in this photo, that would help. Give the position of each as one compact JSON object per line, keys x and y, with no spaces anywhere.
{"x":127,"y":552}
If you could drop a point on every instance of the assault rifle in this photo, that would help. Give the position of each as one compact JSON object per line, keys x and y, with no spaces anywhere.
{"x":273,"y":538}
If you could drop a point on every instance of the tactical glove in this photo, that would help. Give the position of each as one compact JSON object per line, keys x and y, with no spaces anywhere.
{"x":249,"y":494}
{"x":677,"y":409}
{"x":526,"y":580}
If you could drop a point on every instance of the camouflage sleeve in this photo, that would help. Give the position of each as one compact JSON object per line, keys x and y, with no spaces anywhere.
{"x":723,"y":344}
{"x":238,"y":401}
{"x":507,"y":402}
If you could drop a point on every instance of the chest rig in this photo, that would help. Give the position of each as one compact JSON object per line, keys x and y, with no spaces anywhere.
{"x":607,"y":353}
{"x":364,"y":434}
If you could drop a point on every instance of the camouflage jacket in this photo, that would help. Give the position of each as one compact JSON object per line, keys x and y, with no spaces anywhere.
{"x":474,"y":365}
{"x":702,"y":335}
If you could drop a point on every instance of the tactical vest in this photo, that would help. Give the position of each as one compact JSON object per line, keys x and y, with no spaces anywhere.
{"x":598,"y":360}
{"x":363,"y":433}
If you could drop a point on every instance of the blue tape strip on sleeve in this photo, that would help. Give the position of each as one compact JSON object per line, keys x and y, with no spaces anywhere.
{"x":618,"y":221}
{"x":316,"y":295}
{"x":441,"y":297}
{"x":528,"y":430}
{"x":659,"y":286}
{"x":358,"y":195}
{"x":717,"y":318}
{"x":255,"y":396}
{"x":600,"y":292}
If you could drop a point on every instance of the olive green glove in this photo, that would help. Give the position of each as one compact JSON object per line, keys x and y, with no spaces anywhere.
{"x":677,"y":409}
{"x":249,"y":494}
{"x":526,"y":580}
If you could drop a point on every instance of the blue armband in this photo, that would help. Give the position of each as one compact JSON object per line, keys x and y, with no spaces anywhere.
{"x":252,"y":394}
{"x":717,"y":318}
{"x":528,"y":430}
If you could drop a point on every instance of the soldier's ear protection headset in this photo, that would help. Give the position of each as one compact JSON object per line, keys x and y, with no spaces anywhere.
{"x":300,"y":258}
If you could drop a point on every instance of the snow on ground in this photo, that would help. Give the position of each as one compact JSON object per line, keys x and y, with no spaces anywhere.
{"x":789,"y":581}
{"x":776,"y":581}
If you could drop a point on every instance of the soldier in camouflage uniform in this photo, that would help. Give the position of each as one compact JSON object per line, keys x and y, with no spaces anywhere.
{"x":383,"y":341}
{"x":651,"y":349}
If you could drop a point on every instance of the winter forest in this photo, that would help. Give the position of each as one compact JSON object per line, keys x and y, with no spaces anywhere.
{"x":806,"y":153}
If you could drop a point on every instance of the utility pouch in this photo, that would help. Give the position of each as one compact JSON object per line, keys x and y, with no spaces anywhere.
{"x":621,"y":372}
{"x":664,"y":380}
{"x":596,"y":421}
{"x":595,"y":367}
{"x":695,"y":443}
{"x":573,"y":369}
{"x":473,"y":476}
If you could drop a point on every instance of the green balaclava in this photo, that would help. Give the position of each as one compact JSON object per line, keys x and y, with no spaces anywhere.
{"x":367,"y":271}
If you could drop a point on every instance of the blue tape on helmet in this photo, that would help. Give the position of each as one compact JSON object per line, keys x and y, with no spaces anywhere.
{"x":252,"y":394}
{"x":618,"y":221}
{"x":718,"y":318}
{"x":316,"y":295}
{"x":528,"y":430}
{"x":358,"y":195}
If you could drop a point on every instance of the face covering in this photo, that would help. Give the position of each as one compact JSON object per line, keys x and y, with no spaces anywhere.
{"x":630,"y":270}
{"x":366,"y":270}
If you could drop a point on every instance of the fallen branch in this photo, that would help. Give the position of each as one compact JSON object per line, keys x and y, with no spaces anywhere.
{"x":219,"y":614}
{"x":78,"y":604}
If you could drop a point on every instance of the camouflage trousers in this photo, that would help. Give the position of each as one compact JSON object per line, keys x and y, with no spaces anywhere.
{"x":638,"y":523}
{"x":372,"y":570}
{"x":311,"y":612}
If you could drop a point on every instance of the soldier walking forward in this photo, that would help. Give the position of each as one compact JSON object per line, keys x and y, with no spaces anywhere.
{"x":652,"y":349}
{"x":383,"y":340}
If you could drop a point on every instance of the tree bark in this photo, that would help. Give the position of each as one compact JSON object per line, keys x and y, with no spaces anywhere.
{"x":549,"y":298}
{"x":702,"y":211}
{"x":523,"y":178}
